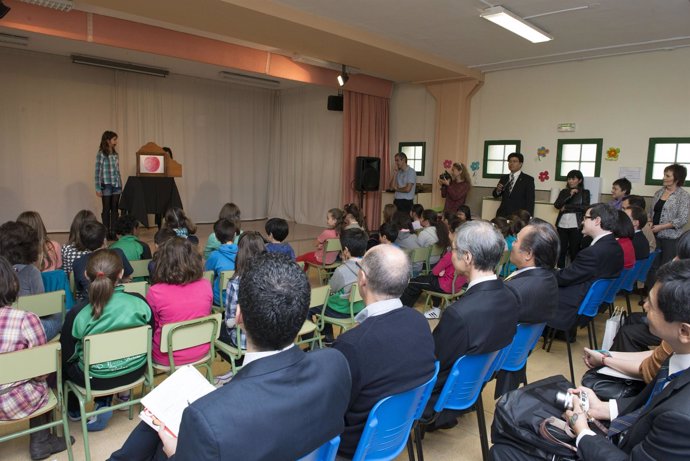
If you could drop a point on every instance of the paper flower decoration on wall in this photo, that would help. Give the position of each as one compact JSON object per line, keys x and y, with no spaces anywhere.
{"x":474,"y":166}
{"x":612,"y":153}
{"x":447,"y":164}
{"x":544,"y":176}
{"x":542,"y":152}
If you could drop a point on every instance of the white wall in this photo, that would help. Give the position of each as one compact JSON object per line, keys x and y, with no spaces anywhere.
{"x":625,"y":100}
{"x":413,"y":119}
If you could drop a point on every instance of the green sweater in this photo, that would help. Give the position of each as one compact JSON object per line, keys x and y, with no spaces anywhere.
{"x":130,"y":246}
{"x":124,"y":310}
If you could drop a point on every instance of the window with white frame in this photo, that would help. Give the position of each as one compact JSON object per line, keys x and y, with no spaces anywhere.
{"x":578,"y":154}
{"x":416,"y":153}
{"x":496,"y":157}
{"x":664,"y":152}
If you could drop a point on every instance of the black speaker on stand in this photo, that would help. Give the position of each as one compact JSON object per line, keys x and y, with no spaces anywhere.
{"x":367,"y":176}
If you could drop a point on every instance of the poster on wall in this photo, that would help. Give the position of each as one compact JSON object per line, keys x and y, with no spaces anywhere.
{"x":633,"y":175}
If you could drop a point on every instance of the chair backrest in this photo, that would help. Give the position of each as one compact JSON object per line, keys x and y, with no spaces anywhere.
{"x":319,"y":296}
{"x":524,"y":341}
{"x":465,"y":381}
{"x":388,"y":427}
{"x":418,"y":256}
{"x":30,"y":363}
{"x":505,"y":258}
{"x":190,"y":333}
{"x":325,"y":452}
{"x":629,"y":281}
{"x":140,"y":288}
{"x":224,"y":277}
{"x":612,"y":291}
{"x":331,"y":245}
{"x":589,"y":307}
{"x":141,"y":268}
{"x":42,"y":304}
{"x":642,"y":275}
{"x":208,"y":275}
{"x":355,"y":297}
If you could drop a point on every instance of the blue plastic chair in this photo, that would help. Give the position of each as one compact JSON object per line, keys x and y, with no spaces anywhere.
{"x":462,"y":391}
{"x":388,"y":428}
{"x":325,"y":452}
{"x":644,"y":270}
{"x":612,"y":291}
{"x":524,"y":341}
{"x":589,"y":308}
{"x":629,"y":283}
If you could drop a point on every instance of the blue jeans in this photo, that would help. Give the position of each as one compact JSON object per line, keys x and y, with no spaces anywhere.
{"x":52,"y":324}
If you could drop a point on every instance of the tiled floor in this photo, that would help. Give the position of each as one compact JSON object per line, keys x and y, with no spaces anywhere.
{"x":458,"y":444}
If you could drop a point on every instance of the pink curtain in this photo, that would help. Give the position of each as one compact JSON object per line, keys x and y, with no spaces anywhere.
{"x":365,"y":134}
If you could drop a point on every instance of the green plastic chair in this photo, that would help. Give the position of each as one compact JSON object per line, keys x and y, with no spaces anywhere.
{"x":319,"y":297}
{"x":42,"y":304}
{"x":189,"y":333}
{"x":501,"y":267}
{"x":32,"y":363}
{"x":343,"y":323}
{"x":418,"y":256}
{"x":209,"y":275}
{"x":446,"y":298}
{"x":325,"y":270}
{"x":140,"y":288}
{"x":141,"y":269}
{"x":435,"y":250}
{"x":225,"y":276}
{"x":234,"y":352}
{"x":105,"y":347}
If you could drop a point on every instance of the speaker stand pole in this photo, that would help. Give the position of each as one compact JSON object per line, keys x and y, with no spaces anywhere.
{"x":361,"y":206}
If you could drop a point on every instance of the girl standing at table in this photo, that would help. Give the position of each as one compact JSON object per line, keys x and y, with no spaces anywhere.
{"x":108,"y":180}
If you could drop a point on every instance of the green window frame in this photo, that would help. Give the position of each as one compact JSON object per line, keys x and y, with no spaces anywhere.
{"x":663,"y":152}
{"x":416,"y":155}
{"x":496,"y":156}
{"x":578,"y":154}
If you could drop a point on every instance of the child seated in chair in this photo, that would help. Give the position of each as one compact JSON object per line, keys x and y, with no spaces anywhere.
{"x":222,"y":259}
{"x":93,"y":236}
{"x":354,"y":245}
{"x":277,"y":230}
{"x":134,"y":249}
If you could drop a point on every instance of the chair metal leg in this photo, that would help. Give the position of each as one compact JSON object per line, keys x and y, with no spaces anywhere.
{"x":627,"y":300}
{"x":589,"y":335}
{"x":570,"y":357}
{"x":483,"y":437}
{"x":550,"y":337}
{"x":418,"y":442}
{"x":410,"y":448}
{"x":594,"y":334}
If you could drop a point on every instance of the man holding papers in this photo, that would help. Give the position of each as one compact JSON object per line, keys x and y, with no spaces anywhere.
{"x":282,"y":404}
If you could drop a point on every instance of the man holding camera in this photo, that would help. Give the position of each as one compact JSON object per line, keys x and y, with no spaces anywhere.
{"x":654,"y":425}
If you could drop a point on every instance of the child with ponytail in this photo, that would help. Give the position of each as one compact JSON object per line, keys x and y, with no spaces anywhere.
{"x":109,"y":308}
{"x":335,"y":220}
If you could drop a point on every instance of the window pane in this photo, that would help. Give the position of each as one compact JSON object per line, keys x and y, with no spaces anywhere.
{"x":510,"y":148}
{"x":494,"y":167}
{"x":589,"y":152}
{"x":496,"y":152}
{"x":567,"y":166}
{"x":570,"y":152}
{"x":683,"y":153}
{"x":587,"y":169}
{"x":658,"y":170}
{"x":665,"y":153}
{"x":417,"y":165}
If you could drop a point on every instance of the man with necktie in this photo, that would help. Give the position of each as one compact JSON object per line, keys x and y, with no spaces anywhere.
{"x":515,"y":189}
{"x":655,"y":424}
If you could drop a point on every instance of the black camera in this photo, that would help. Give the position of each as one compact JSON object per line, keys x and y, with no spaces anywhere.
{"x":445,"y":175}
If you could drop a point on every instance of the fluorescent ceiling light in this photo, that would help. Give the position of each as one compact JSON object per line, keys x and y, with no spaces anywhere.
{"x":250,"y":80}
{"x":60,"y":5}
{"x":504,"y":18}
{"x":118,"y":65}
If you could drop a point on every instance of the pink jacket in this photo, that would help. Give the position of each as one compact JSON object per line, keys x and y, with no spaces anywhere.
{"x":321,"y":240}
{"x":446,"y":280}
{"x":175,"y":303}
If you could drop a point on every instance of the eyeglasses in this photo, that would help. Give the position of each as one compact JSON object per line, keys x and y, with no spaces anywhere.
{"x":359,"y":266}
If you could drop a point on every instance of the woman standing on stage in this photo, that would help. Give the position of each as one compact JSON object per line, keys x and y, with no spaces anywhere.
{"x":108,"y":180}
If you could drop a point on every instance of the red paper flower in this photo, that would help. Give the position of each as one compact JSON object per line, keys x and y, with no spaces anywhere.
{"x":544,"y":176}
{"x":447,"y":164}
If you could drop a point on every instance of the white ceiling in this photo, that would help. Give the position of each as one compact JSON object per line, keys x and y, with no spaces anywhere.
{"x":452,"y":29}
{"x":402,"y":40}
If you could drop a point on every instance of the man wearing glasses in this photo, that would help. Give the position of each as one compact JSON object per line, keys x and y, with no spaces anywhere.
{"x":603,"y":259}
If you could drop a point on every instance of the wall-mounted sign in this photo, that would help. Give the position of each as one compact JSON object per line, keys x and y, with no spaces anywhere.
{"x":566,"y":127}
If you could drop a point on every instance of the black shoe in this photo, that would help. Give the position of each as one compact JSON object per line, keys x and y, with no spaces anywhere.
{"x":44,"y":443}
{"x":433,"y":427}
{"x":328,"y":341}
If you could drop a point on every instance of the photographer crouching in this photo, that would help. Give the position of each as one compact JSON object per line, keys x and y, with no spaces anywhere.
{"x":455,"y":186}
{"x":655,"y":424}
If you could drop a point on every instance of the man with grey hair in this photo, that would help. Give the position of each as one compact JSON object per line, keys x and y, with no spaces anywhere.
{"x":391,"y":351}
{"x":483,"y":319}
{"x":534,"y":284}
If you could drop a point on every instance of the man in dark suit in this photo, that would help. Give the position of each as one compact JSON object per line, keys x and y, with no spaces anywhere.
{"x":391,"y":351}
{"x":655,"y":424}
{"x":534,"y":283}
{"x":282,"y":404}
{"x":601,"y":260}
{"x":484,"y":318}
{"x":515,"y":189}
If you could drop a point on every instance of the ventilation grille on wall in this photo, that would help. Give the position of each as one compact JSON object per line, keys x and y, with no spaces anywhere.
{"x":118,"y":65}
{"x":60,"y":5}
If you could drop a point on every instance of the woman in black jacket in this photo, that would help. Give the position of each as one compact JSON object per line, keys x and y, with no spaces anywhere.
{"x":572,"y":203}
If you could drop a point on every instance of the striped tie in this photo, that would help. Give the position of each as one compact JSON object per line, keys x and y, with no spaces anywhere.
{"x":625,"y":422}
{"x":511,"y":183}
